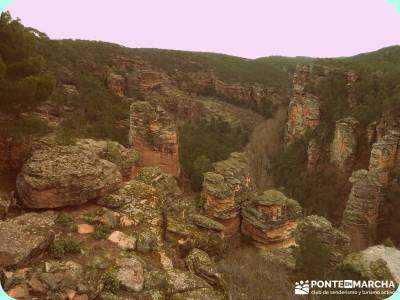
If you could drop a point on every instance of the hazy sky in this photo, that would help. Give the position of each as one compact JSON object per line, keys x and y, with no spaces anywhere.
{"x":247,"y":28}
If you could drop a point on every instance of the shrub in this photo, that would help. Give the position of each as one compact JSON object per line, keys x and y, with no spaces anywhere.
{"x":65,"y":220}
{"x":110,"y":281}
{"x":61,"y":247}
{"x":101,"y":231}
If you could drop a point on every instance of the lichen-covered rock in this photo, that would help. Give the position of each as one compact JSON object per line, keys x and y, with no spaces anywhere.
{"x":207,"y":223}
{"x":322,"y":230}
{"x":374,"y":263}
{"x":198,"y":262}
{"x":155,"y":136}
{"x":345,"y":142}
{"x":130,"y":274}
{"x":270,"y":219}
{"x":116,"y":83}
{"x":185,"y":236}
{"x":58,"y":176}
{"x":181,"y":281}
{"x":360,"y":217}
{"x":139,"y":205}
{"x":25,"y":237}
{"x":124,"y":158}
{"x":225,"y":189}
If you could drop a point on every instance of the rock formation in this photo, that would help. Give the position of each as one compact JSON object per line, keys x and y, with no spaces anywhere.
{"x":57,"y":176}
{"x":24,"y":237}
{"x":321,"y":230}
{"x":374,"y":263}
{"x":225,"y":189}
{"x":360,"y":217}
{"x":155,"y":136}
{"x":116,"y":83}
{"x":385,"y":156}
{"x":345,"y":142}
{"x":270,"y":219}
{"x":304,"y":108}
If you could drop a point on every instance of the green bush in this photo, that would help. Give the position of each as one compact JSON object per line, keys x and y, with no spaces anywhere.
{"x":101,"y":231}
{"x":62,"y":247}
{"x":65,"y":220}
{"x":110,"y":281}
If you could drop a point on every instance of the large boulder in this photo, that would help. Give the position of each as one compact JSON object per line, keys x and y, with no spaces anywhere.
{"x":25,"y":237}
{"x":63,"y":175}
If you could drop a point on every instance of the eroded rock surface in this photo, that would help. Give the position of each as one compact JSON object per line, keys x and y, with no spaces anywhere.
{"x":345,"y":142}
{"x":155,"y":136}
{"x":57,"y":176}
{"x":225,"y":189}
{"x":270,"y":219}
{"x":360,"y":217}
{"x":24,"y":237}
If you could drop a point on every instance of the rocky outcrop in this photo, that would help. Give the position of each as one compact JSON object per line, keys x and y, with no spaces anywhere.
{"x":144,"y":81}
{"x":57,"y":176}
{"x":375,"y":263}
{"x":116,"y":83}
{"x":225,"y":189}
{"x":24,"y":237}
{"x":321,"y":231}
{"x":345,"y":142}
{"x":385,"y":156}
{"x":14,"y":151}
{"x":155,"y":136}
{"x":304,"y":107}
{"x":270,"y":219}
{"x":360,"y":217}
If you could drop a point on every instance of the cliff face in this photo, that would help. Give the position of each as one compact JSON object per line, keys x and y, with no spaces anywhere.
{"x":344,"y":145}
{"x":270,"y":219}
{"x":304,"y":108}
{"x":116,"y":83}
{"x":155,"y":137}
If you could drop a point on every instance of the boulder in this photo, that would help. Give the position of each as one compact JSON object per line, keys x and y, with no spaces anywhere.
{"x":24,"y":237}
{"x":58,"y":176}
{"x":130,"y":274}
{"x":270,"y":219}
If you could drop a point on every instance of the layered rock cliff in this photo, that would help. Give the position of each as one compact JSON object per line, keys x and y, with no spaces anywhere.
{"x":155,"y":137}
{"x":345,"y":142}
{"x":304,"y":108}
{"x":360,"y":217}
{"x":225,"y":189}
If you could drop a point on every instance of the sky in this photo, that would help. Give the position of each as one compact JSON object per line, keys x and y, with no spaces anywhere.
{"x":246,"y":28}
